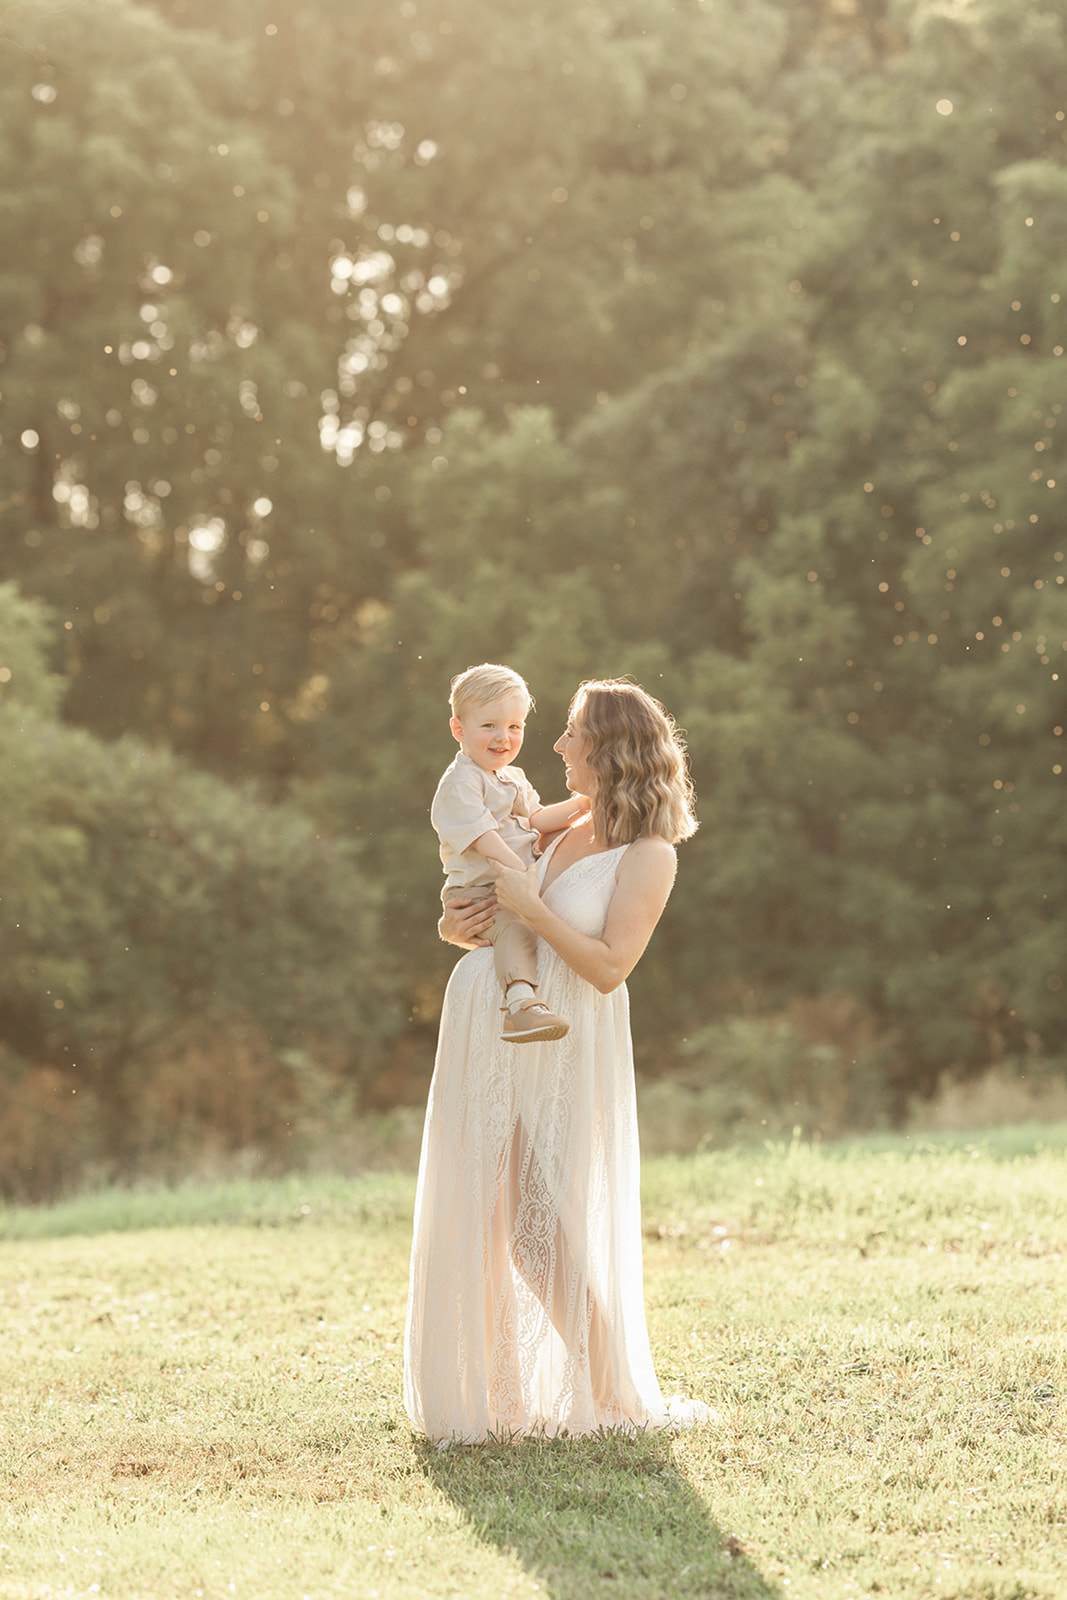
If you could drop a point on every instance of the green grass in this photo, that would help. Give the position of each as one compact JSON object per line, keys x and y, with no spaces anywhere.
{"x":199,"y":1395}
{"x":250,"y":1203}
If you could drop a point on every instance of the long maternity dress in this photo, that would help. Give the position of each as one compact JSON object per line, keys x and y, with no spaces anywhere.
{"x":526,"y":1310}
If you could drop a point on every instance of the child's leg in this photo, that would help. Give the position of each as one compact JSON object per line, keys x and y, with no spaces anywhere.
{"x":514,"y":944}
{"x":514,"y":950}
{"x":528,"y":1021}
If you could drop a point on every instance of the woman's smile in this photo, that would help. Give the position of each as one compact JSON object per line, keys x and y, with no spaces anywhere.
{"x":577,"y":773}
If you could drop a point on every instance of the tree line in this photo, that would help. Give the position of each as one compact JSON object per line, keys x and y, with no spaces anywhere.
{"x":714,"y":342}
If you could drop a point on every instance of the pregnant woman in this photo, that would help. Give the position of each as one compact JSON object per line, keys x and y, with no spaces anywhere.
{"x":526,"y":1312}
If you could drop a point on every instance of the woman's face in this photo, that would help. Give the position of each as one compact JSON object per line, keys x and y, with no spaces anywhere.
{"x":574,"y":747}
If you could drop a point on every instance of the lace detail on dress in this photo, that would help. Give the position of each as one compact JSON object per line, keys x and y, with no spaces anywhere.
{"x":526,"y":1311}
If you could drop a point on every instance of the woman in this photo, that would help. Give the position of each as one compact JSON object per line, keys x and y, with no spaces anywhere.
{"x":525,"y":1312}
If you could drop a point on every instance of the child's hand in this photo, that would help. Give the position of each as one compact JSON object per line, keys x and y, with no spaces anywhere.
{"x":519,"y":891}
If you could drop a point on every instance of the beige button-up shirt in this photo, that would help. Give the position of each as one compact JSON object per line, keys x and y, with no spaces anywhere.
{"x":470,"y":802}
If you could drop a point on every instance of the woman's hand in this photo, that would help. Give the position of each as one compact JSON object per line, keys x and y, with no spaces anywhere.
{"x":465,"y":924}
{"x":518,"y":891}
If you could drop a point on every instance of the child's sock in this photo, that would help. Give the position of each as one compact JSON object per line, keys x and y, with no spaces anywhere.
{"x":517,"y":993}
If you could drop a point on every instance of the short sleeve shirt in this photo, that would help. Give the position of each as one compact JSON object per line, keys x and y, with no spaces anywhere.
{"x":470,"y":802}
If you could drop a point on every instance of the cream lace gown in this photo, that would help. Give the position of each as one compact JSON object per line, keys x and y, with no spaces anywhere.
{"x":525,"y":1312}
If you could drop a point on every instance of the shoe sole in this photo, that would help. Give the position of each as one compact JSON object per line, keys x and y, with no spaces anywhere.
{"x":537,"y":1035}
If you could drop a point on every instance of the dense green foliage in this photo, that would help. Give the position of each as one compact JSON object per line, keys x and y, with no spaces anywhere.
{"x":150,"y":909}
{"x":717,"y":342}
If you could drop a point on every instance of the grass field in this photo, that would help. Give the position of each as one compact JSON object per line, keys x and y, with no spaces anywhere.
{"x":199,"y":1395}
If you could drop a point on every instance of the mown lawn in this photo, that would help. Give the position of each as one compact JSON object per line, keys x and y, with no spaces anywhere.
{"x":199,"y":1395}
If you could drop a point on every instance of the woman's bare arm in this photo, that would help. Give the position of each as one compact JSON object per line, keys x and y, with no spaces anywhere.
{"x":645,"y":879}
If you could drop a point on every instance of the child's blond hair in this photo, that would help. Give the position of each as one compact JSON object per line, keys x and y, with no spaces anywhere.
{"x":479,"y":685}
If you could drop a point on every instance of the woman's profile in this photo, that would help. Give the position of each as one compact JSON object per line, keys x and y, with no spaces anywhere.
{"x":526,"y":1312}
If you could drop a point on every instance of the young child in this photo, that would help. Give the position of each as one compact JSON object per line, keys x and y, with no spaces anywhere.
{"x":488,"y":816}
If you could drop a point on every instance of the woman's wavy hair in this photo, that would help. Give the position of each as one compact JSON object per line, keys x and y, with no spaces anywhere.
{"x":643,"y":785}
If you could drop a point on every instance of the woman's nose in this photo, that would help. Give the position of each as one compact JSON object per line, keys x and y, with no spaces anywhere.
{"x":558,"y":746}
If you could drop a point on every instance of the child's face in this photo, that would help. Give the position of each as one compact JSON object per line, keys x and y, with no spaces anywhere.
{"x":492,"y":733}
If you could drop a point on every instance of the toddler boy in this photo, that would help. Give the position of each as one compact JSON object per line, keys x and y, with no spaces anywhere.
{"x":488,"y":816}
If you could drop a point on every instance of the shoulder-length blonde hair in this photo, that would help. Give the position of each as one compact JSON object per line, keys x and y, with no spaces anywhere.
{"x":643,"y":786}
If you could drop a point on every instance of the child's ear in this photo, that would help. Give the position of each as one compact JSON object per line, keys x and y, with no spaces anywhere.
{"x":457,"y":728}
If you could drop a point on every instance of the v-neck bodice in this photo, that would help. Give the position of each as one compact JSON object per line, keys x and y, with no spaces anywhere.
{"x":582,"y":892}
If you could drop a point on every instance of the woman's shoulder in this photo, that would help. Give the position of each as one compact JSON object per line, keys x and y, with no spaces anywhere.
{"x":649,"y":843}
{"x":651,"y":853}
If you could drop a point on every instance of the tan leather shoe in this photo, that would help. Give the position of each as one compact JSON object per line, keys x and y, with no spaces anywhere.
{"x":532,"y":1023}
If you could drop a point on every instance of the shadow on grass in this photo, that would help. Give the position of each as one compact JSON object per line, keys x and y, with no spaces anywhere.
{"x":597,"y":1516}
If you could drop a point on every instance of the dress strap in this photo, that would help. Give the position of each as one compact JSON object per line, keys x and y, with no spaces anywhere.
{"x":546,"y":856}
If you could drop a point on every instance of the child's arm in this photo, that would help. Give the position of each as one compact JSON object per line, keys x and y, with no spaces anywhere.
{"x":549,"y":819}
{"x":492,"y":847}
